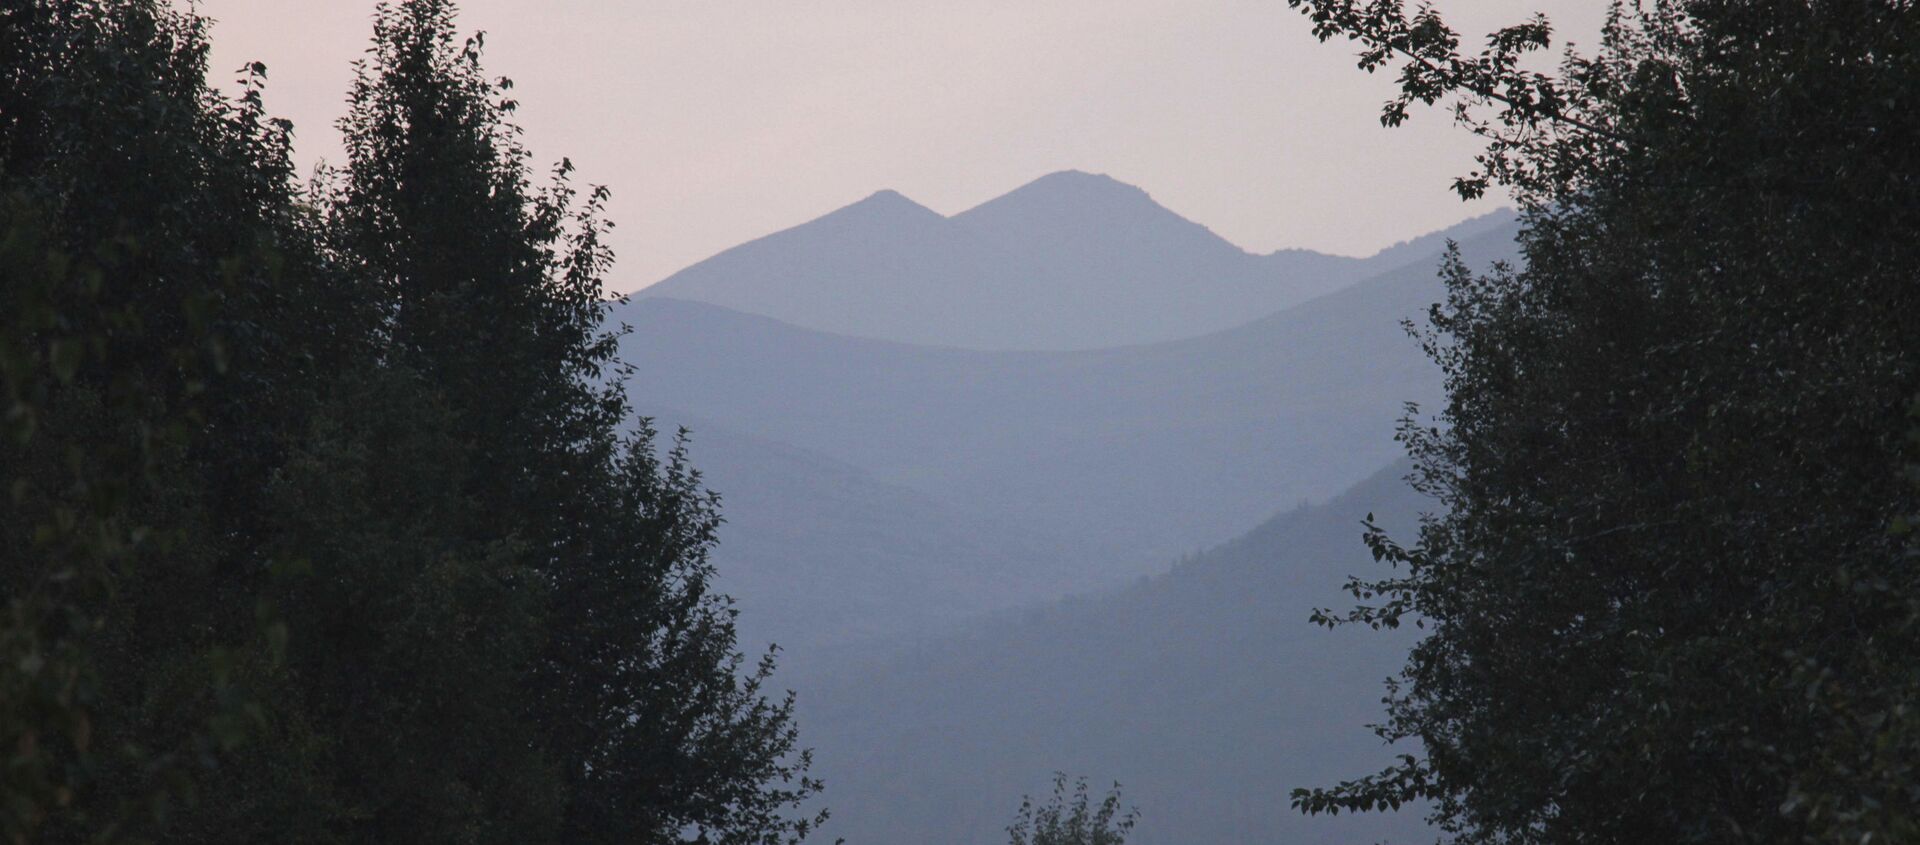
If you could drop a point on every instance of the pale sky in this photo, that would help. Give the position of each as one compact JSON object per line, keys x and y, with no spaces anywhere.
{"x":718,"y":121}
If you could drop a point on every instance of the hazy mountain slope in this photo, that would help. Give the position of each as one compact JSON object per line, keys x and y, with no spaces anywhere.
{"x":1069,"y":261}
{"x":1205,"y":691}
{"x":1107,"y":266}
{"x":1422,"y":247}
{"x":1138,"y":453}
{"x":821,"y":555}
{"x":883,"y":266}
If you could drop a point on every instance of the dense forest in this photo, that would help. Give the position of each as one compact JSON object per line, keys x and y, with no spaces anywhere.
{"x":329,"y":515}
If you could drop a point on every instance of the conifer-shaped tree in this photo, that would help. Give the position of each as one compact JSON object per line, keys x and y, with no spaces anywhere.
{"x":642,"y":706}
{"x":325,"y":519}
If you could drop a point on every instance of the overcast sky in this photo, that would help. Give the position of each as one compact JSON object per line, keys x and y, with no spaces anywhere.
{"x":717,"y":121}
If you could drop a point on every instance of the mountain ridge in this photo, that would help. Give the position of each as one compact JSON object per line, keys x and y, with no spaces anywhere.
{"x":1068,"y":261}
{"x":897,"y":502}
{"x":1143,"y":452}
{"x":1205,"y":690}
{"x":821,"y":556}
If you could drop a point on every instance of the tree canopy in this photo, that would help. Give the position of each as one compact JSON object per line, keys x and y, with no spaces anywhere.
{"x":328,"y":521}
{"x":1670,"y":596}
{"x":1071,"y":818}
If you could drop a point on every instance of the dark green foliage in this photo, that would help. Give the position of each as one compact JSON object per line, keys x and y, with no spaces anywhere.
{"x":1072,"y":819}
{"x":496,"y":301}
{"x":322,"y":523}
{"x":1667,"y":600}
{"x":144,"y":222}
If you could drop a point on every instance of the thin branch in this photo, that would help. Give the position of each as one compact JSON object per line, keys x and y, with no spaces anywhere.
{"x":1456,"y":80}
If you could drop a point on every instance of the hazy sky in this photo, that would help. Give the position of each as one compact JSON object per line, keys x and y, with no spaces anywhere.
{"x":717,"y":121}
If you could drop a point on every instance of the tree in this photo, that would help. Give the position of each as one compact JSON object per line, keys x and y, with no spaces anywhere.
{"x":1072,"y":819}
{"x":326,"y":519}
{"x":651,"y":724}
{"x":1665,"y":598}
{"x":151,"y":242}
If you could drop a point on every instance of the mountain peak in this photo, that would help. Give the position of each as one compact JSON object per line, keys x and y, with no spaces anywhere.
{"x":1070,"y":260}
{"x":1081,"y":177}
{"x":1092,"y":217}
{"x":1073,"y":190}
{"x":888,"y":200}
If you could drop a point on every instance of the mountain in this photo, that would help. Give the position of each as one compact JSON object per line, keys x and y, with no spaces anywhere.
{"x":820,"y":555}
{"x":1133,"y":455}
{"x":1205,"y":691}
{"x":906,"y":518}
{"x":1069,"y":261}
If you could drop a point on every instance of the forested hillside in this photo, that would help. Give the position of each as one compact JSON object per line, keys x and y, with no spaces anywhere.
{"x":821,"y":555}
{"x":1205,"y":691}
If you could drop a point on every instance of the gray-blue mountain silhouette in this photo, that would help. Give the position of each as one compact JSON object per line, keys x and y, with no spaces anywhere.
{"x":820,"y":555}
{"x":1205,"y":691}
{"x":1070,"y":261}
{"x":1134,"y":455}
{"x":881,"y":493}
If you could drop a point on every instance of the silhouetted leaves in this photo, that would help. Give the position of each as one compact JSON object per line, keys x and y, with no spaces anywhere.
{"x":1071,"y":818}
{"x":1664,"y":600}
{"x":326,"y":518}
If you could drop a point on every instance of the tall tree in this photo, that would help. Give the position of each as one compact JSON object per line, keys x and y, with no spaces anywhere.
{"x":1666,"y":600}
{"x":325,"y":520}
{"x":652,"y":723}
{"x":162,"y":315}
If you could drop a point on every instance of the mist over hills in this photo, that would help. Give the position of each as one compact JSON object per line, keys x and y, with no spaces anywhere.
{"x":1135,"y":454}
{"x":1204,"y":691}
{"x":964,"y":552}
{"x":1069,"y":261}
{"x":820,"y":555}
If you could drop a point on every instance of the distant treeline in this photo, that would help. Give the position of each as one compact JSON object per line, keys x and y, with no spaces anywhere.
{"x":1674,"y":592}
{"x":325,"y":519}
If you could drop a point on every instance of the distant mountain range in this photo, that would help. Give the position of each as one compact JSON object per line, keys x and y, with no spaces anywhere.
{"x":1204,"y":691}
{"x":1069,"y":261}
{"x":1135,"y":455}
{"x":959,"y":454}
{"x":821,"y":555}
